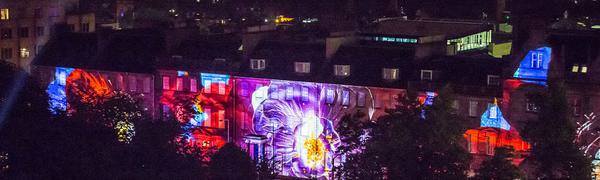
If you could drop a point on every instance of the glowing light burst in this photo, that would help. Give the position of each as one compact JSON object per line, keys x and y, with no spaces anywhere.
{"x":588,"y":134}
{"x":125,"y":131}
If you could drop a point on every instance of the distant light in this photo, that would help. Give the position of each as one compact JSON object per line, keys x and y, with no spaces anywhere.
{"x":584,"y":69}
{"x":575,"y":68}
{"x":266,"y":20}
{"x":243,"y":19}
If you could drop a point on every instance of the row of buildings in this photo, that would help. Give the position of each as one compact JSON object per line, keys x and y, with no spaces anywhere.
{"x":278,"y":90}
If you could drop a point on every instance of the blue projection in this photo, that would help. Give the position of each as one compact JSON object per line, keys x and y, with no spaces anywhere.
{"x":535,"y":65}
{"x":492,"y":117}
{"x":57,"y":89}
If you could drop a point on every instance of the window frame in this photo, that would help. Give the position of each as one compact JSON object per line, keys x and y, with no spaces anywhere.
{"x":390,"y":73}
{"x":489,"y":80}
{"x":423,"y":71}
{"x":341,"y":70}
{"x":258,"y":64}
{"x":302,"y":67}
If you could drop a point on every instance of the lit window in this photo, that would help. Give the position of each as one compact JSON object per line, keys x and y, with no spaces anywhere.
{"x":289,"y":93}
{"x":4,"y":14}
{"x":132,"y":83}
{"x":493,"y":111}
{"x":257,"y":64}
{"x":426,"y":75}
{"x":493,"y":80}
{"x":302,"y":67}
{"x":341,"y":70}
{"x":222,"y":88}
{"x":207,"y":84}
{"x":390,"y":74}
{"x":473,"y":108}
{"x":361,"y":99}
{"x":165,"y":83}
{"x":193,"y":85}
{"x":305,"y":94}
{"x":207,"y":117}
{"x":24,"y":53}
{"x":584,"y":69}
{"x":575,"y":68}
{"x":345,"y":98}
{"x":455,"y":104}
{"x":330,"y":96}
{"x":179,"y":84}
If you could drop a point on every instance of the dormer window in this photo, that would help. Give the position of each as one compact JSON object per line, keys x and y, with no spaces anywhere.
{"x":390,"y":73}
{"x":220,"y":60}
{"x":302,"y":67}
{"x":426,"y":75}
{"x":4,"y":14}
{"x":341,"y":70}
{"x":493,"y":80}
{"x":257,"y":64}
{"x":576,"y":68}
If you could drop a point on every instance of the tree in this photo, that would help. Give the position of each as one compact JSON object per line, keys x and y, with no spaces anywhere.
{"x":408,"y":146}
{"x":500,"y":166}
{"x":554,"y":153}
{"x":231,"y":162}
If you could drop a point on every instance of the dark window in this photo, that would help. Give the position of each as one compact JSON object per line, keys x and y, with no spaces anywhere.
{"x":23,"y":32}
{"x":85,"y":27}
{"x":531,"y":106}
{"x":39,"y":31}
{"x":6,"y":53}
{"x":6,"y":33}
{"x":71,"y":27}
{"x":37,"y":12}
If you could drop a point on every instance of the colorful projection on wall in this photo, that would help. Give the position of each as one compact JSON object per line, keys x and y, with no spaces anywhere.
{"x":298,"y":120}
{"x":535,"y":65}
{"x":57,"y":89}
{"x":484,"y":140}
{"x":199,"y":109}
{"x":474,"y":41}
{"x":492,"y":117}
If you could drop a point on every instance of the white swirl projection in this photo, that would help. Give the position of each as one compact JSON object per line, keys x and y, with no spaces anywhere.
{"x":298,"y":119}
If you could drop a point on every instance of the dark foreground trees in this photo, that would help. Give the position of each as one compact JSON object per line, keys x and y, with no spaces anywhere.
{"x":554,"y":153}
{"x":231,"y":163}
{"x":406,"y":145}
{"x":500,"y":166}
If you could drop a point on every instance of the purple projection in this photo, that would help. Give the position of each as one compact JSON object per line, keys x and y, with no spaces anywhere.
{"x":298,"y":118}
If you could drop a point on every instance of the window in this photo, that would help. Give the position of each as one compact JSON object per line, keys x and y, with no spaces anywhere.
{"x":193,"y":85}
{"x":147,"y":85}
{"x":119,"y":82}
{"x":305,"y":94}
{"x":273,"y":91}
{"x":341,"y":70}
{"x":390,"y":73}
{"x":302,"y":67}
{"x":345,"y":98}
{"x":23,"y":53}
{"x":220,"y":60}
{"x":132,"y":83}
{"x":330,"y":96}
{"x":473,"y":108}
{"x":289,"y":93}
{"x":24,"y":32}
{"x":244,"y":89}
{"x":179,"y":84}
{"x":536,"y":60}
{"x":85,"y":27}
{"x":493,"y":111}
{"x":207,"y":116}
{"x":4,"y":14}
{"x":39,"y":31}
{"x":493,"y":80}
{"x":53,"y":12}
{"x":37,"y":12}
{"x":575,"y":68}
{"x":38,"y":49}
{"x":207,"y":84}
{"x":6,"y":33}
{"x":257,"y":64}
{"x":71,"y":27}
{"x":360,"y":102}
{"x":531,"y":106}
{"x":221,"y":117}
{"x":6,"y":53}
{"x":222,"y":88}
{"x":584,"y":69}
{"x":576,"y":104}
{"x":455,"y":104}
{"x":426,"y":75}
{"x":166,"y":85}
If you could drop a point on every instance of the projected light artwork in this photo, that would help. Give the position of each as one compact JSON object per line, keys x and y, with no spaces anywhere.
{"x":57,"y":89}
{"x":198,"y":109}
{"x":87,"y":87}
{"x":535,"y":65}
{"x":298,"y":119}
{"x":492,"y":117}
